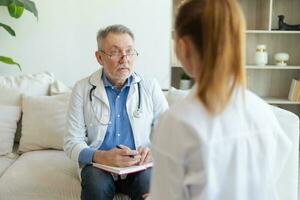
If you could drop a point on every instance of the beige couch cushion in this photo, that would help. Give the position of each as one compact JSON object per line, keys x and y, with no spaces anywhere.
{"x":12,"y":88}
{"x":9,"y":116}
{"x":288,"y":181}
{"x":10,"y":96}
{"x":46,"y":175}
{"x":6,"y":161}
{"x":43,"y":123}
{"x":58,"y":87}
{"x":31,"y":84}
{"x":36,"y":175}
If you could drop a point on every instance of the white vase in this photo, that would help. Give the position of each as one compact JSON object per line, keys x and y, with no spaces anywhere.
{"x":261,"y":55}
{"x":185,"y":84}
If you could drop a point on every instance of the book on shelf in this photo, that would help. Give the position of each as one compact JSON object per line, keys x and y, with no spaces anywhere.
{"x":294,"y":93}
{"x":123,"y":170}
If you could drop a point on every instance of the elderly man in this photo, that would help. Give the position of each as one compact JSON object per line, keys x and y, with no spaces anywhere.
{"x":114,"y":106}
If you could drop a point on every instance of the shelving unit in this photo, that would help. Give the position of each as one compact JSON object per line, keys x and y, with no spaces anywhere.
{"x":271,"y":82}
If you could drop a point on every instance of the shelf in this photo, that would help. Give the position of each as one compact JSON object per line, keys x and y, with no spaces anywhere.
{"x":260,"y":67}
{"x":272,"y":32}
{"x":176,"y":66}
{"x":288,"y":67}
{"x":271,"y":82}
{"x":272,"y":100}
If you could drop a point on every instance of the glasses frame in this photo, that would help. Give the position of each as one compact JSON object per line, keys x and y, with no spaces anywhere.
{"x":119,"y":57}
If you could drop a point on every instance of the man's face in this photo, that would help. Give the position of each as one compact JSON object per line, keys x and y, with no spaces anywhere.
{"x":116,"y":65}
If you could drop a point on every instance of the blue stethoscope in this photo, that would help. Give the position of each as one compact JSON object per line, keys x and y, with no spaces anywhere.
{"x":137,"y":113}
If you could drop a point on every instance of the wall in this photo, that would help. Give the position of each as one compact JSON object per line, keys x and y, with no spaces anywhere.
{"x":63,"y":42}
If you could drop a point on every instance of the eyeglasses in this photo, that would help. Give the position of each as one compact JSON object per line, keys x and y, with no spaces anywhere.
{"x":118,"y":55}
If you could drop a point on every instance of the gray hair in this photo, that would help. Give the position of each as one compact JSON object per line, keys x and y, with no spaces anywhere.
{"x":117,"y":28}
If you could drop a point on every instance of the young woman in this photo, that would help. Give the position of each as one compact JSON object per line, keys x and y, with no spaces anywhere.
{"x":222,"y":141}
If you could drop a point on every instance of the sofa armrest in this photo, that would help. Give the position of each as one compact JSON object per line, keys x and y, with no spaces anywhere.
{"x":288,"y":181}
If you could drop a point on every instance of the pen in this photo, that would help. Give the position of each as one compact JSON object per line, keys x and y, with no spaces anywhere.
{"x":120,"y":147}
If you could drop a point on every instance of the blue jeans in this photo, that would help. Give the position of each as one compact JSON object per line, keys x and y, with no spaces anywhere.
{"x":97,"y":184}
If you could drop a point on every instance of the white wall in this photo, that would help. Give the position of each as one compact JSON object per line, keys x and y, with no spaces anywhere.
{"x":63,"y":42}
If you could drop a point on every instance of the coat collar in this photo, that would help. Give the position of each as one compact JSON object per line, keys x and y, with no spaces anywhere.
{"x":95,"y":79}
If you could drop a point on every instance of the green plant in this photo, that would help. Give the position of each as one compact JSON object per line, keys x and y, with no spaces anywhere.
{"x":184,"y":76}
{"x":15,"y":9}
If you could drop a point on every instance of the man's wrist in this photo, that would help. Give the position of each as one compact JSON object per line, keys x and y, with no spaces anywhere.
{"x":99,"y":157}
{"x":86,"y":155}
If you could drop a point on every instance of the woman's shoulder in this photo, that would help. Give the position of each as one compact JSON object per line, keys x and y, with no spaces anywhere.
{"x":187,"y":109}
{"x":185,"y":121}
{"x":256,"y":104}
{"x":258,"y":110}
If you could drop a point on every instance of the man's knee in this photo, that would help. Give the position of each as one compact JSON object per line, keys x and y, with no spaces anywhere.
{"x":141,"y":184}
{"x":143,"y":178}
{"x":96,"y":184}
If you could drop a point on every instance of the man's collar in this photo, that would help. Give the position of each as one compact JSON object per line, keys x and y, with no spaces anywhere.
{"x":107,"y":83}
{"x":95,"y":78}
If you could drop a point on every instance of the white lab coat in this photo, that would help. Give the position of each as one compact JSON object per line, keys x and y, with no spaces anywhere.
{"x":87,"y":128}
{"x":236,"y":155}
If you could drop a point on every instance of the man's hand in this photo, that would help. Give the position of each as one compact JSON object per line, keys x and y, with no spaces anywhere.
{"x":145,"y":154}
{"x":117,"y":157}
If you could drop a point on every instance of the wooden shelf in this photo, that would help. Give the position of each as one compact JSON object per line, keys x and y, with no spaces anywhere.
{"x":270,"y":82}
{"x":272,"y":67}
{"x":260,"y":67}
{"x":273,"y":100}
{"x":272,"y":32}
{"x":175,"y":65}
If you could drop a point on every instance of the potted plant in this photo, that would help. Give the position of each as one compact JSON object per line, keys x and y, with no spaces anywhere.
{"x":15,"y":9}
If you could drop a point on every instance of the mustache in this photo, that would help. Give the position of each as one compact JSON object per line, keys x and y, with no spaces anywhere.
{"x":124,"y":66}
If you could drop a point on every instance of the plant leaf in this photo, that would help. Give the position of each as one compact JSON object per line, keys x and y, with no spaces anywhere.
{"x":5,"y":2}
{"x":28,"y":5}
{"x":9,"y":61}
{"x":8,"y":29}
{"x":15,"y":10}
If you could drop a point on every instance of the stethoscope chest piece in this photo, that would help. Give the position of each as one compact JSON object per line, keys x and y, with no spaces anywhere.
{"x":137,"y":113}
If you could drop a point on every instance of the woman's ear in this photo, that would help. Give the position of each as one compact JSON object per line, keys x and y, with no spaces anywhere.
{"x":183,"y":52}
{"x":99,"y":57}
{"x":180,"y":48}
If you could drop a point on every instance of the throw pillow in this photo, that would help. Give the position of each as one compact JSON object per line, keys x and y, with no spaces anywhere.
{"x":43,"y":122}
{"x":9,"y":116}
{"x":30,"y":84}
{"x":10,"y":96}
{"x":58,"y":87}
{"x":12,"y":88}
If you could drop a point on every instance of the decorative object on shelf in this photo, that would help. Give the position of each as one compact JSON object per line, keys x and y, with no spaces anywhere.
{"x":185,"y":82}
{"x":261,"y":55}
{"x":294,"y":93}
{"x":281,"y":58}
{"x":284,"y":26}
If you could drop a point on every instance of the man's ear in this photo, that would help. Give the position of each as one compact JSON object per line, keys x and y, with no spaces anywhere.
{"x":99,"y":57}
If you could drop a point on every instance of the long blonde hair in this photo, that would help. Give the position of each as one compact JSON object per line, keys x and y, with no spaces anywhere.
{"x":216,"y":28}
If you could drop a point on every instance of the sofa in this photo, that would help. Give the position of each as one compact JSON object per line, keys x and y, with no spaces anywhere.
{"x":33,"y":165}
